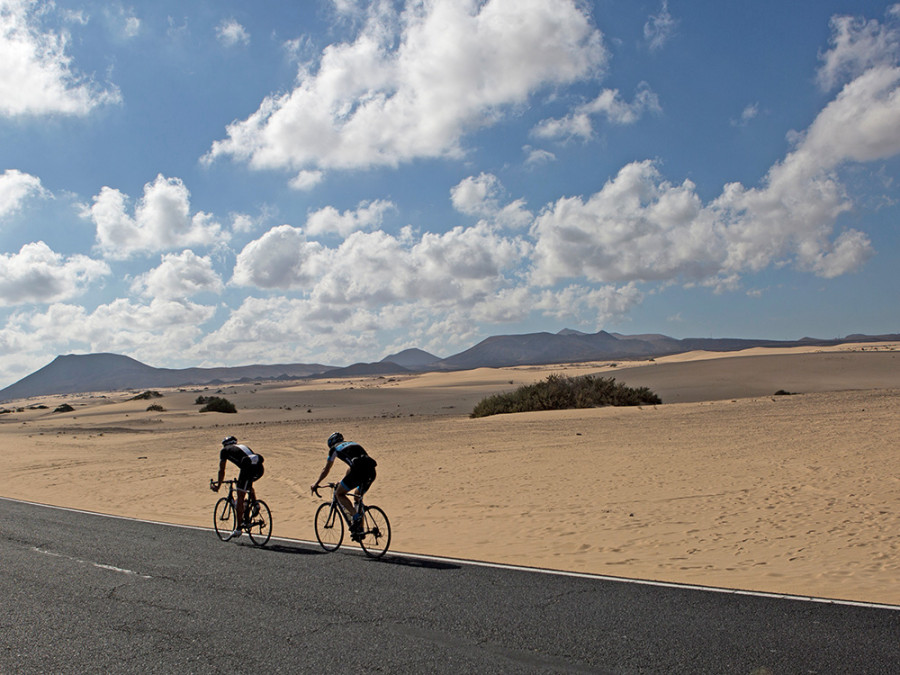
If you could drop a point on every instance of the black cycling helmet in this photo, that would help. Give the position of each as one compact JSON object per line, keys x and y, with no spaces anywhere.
{"x":229,"y":440}
{"x":334,"y":439}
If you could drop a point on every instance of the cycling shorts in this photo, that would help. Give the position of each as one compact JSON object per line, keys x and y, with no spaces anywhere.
{"x":249,"y":474}
{"x":360,"y":475}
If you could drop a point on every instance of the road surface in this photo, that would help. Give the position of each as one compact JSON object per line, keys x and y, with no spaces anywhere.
{"x":88,"y":593}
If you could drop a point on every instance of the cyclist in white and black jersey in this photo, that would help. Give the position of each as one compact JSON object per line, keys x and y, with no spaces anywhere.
{"x":251,"y":466}
{"x":360,"y":475}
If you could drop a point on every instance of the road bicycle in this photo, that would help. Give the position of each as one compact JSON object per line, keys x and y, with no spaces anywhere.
{"x":374,"y":536}
{"x":258,"y":525}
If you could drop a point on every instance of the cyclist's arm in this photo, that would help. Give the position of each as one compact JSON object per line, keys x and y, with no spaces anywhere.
{"x":322,"y":475}
{"x":222,"y":463}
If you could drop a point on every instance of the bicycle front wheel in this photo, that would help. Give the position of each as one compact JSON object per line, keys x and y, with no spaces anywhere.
{"x":261,"y":524}
{"x":376,"y":534}
{"x":329,"y":527}
{"x":224,"y":520}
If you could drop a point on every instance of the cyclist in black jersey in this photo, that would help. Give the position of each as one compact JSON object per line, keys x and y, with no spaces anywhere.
{"x":361,"y":473}
{"x":251,"y":465}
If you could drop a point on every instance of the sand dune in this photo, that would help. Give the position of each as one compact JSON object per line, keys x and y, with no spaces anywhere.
{"x":724,"y":484}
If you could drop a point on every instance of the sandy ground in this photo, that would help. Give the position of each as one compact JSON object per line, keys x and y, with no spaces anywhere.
{"x":724,"y":484}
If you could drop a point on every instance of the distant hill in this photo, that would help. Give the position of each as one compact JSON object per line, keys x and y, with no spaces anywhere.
{"x":110,"y":372}
{"x":542,"y":348}
{"x":361,"y":369}
{"x":570,"y":346}
{"x":574,"y":346}
{"x":412,"y":358}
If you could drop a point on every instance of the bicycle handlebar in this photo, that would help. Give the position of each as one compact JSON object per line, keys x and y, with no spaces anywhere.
{"x":352,"y":493}
{"x":328,"y":485}
{"x":213,"y":481}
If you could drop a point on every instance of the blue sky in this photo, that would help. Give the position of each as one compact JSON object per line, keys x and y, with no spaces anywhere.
{"x":223,"y":182}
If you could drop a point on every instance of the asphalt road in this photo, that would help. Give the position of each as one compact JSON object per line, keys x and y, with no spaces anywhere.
{"x":87,"y":593}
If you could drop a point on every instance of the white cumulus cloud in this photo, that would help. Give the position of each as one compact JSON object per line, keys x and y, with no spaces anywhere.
{"x":179,"y":275}
{"x":37,"y":274}
{"x":480,"y":196}
{"x":639,"y":227}
{"x":15,"y":187}
{"x":282,"y":258}
{"x":366,"y":216}
{"x":37,"y":76}
{"x":476,"y":195}
{"x":150,"y":332}
{"x":858,"y":44}
{"x":610,"y":104}
{"x":162,"y":220}
{"x":415,"y":81}
{"x":461,"y":265}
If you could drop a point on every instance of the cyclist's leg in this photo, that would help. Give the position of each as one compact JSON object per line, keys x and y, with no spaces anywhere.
{"x":366,"y":478}
{"x":341,"y":492}
{"x":257,"y":474}
{"x":243,"y":484}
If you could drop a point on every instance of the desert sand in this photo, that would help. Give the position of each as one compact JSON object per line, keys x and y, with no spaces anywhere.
{"x":724,"y":484}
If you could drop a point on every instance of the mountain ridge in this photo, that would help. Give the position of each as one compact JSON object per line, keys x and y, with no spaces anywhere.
{"x":74,"y":373}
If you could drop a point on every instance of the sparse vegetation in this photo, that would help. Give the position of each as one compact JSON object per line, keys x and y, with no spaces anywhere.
{"x":147,"y":395}
{"x":65,"y":407}
{"x":216,"y":404}
{"x":782,"y":392}
{"x":155,"y":407}
{"x":560,"y":392}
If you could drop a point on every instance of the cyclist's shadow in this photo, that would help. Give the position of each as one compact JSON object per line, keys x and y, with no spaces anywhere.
{"x":296,"y":550}
{"x":388,"y":558}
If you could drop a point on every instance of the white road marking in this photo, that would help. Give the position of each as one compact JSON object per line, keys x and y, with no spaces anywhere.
{"x":101,"y":566}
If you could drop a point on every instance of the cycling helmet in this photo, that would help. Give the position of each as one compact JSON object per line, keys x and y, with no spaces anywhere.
{"x":334,"y":439}
{"x":229,"y":440}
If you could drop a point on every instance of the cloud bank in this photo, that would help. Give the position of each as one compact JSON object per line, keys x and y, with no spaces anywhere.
{"x":414,"y":82}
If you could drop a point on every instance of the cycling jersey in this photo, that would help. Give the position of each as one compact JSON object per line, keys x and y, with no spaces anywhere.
{"x":346,"y":452}
{"x":361,"y":473}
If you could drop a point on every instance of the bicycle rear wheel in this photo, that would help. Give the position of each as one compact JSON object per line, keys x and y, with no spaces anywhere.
{"x":329,"y":527}
{"x":261,"y":524}
{"x":224,"y":518}
{"x":376,"y":535}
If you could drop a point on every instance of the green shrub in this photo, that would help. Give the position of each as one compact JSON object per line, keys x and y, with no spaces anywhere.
{"x":560,"y":392}
{"x":146,"y":396}
{"x":155,"y":407}
{"x":65,"y":407}
{"x":217,"y":404}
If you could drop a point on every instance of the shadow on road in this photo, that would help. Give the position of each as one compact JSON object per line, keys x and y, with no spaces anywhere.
{"x":387,"y":559}
{"x":418,"y":563}
{"x":296,"y":550}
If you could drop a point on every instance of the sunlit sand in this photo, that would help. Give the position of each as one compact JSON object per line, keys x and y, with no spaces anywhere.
{"x":793,"y":494}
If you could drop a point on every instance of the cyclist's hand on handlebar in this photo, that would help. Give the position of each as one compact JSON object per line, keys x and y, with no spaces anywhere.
{"x":314,"y":489}
{"x":214,"y":485}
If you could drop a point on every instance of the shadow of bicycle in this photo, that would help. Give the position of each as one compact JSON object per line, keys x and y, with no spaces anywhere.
{"x":295,"y":550}
{"x":417,"y":563}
